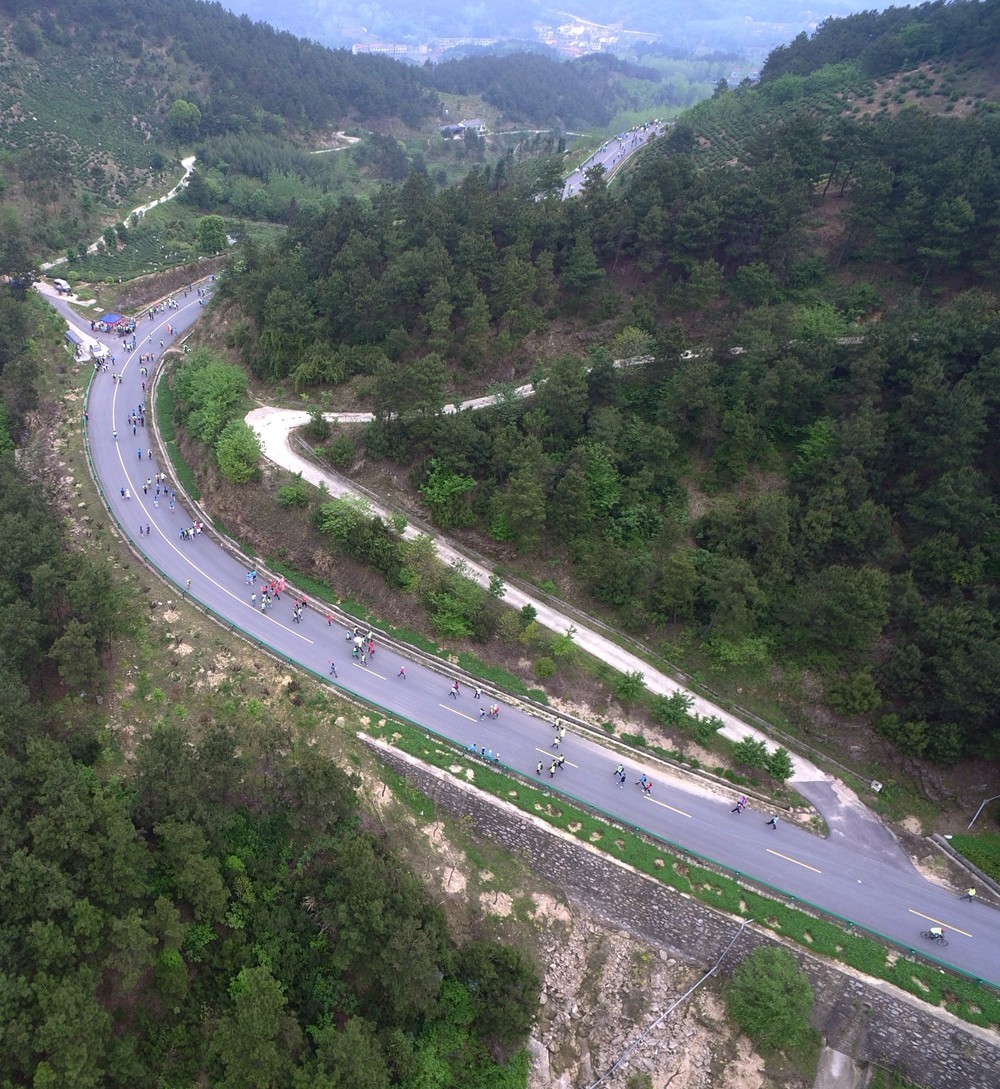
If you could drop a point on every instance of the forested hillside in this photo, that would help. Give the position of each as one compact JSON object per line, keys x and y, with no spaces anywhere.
{"x":98,"y":101}
{"x":802,"y":473}
{"x":529,"y":87}
{"x":242,"y":66}
{"x":190,"y":894}
{"x":728,"y":24}
{"x":884,"y":42}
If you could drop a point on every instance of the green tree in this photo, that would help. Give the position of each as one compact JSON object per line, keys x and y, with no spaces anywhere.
{"x":212,"y":234}
{"x":209,"y":392}
{"x":675,"y":589}
{"x":729,"y":592}
{"x":562,"y":401}
{"x":570,"y":515}
{"x":442,"y":492}
{"x":196,"y":880}
{"x":184,"y":119}
{"x":348,"y":1057}
{"x":751,"y":753}
{"x":630,"y":687}
{"x":256,"y":1039}
{"x":854,"y":694}
{"x":238,"y":452}
{"x":523,"y":503}
{"x":779,"y":765}
{"x":838,"y":609}
{"x":673,"y":710}
{"x":581,"y":272}
{"x":756,"y":285}
{"x":76,"y":653}
{"x":503,"y":984}
{"x":771,"y":999}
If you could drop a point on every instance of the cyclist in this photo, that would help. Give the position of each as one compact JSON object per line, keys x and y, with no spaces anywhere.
{"x":936,"y":933}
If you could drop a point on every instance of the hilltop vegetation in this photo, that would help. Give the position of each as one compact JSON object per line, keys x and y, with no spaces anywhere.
{"x":98,"y":99}
{"x":884,"y":42}
{"x":812,"y":483}
{"x":529,"y":87}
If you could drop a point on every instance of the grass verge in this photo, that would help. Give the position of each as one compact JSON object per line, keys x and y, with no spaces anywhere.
{"x":168,"y":432}
{"x":982,"y":851}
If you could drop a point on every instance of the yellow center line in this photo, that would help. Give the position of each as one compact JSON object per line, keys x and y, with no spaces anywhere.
{"x":665,"y":806}
{"x":368,"y":669}
{"x":930,"y":918}
{"x":548,"y":754}
{"x":455,"y":711}
{"x":788,"y":858}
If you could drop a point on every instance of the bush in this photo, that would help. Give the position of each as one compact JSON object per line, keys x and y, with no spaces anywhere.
{"x":770,"y":998}
{"x":751,"y":753}
{"x":209,"y":392}
{"x":779,"y":765}
{"x":238,"y":452}
{"x":705,"y":728}
{"x":503,"y":984}
{"x":363,"y":536}
{"x":318,"y":427}
{"x":672,"y":710}
{"x":544,"y":668}
{"x":630,"y":686}
{"x":854,"y":695}
{"x":341,"y":451}
{"x":294,"y":495}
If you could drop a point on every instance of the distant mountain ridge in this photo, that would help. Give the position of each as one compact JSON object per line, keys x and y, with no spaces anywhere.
{"x":722,"y":24}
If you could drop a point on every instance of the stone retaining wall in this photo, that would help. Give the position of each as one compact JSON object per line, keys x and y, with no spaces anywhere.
{"x":868,"y":1019}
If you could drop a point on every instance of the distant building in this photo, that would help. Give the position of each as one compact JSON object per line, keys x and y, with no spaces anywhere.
{"x":457,"y":43}
{"x":389,"y":49}
{"x":458,"y":132}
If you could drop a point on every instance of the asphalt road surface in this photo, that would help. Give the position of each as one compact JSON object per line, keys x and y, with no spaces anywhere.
{"x":861,"y":886}
{"x":613,"y":153}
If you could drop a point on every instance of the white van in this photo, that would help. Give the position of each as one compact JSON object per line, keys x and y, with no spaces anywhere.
{"x":62,"y":287}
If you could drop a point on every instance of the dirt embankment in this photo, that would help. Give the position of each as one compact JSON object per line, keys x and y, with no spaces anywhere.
{"x":137,"y":294}
{"x":601,"y":987}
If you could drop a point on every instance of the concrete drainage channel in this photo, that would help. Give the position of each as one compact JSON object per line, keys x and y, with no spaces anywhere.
{"x":839,"y":1071}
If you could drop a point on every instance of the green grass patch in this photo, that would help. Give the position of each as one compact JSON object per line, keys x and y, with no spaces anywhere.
{"x":982,"y":851}
{"x":672,"y":865}
{"x":148,"y":248}
{"x":168,"y":432}
{"x":413,"y":798}
{"x":417,"y":639}
{"x":500,"y":677}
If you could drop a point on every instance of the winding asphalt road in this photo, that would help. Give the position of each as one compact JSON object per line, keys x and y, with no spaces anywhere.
{"x":858,"y":873}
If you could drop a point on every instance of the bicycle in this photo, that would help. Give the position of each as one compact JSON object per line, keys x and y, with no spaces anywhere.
{"x":939,"y":938}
